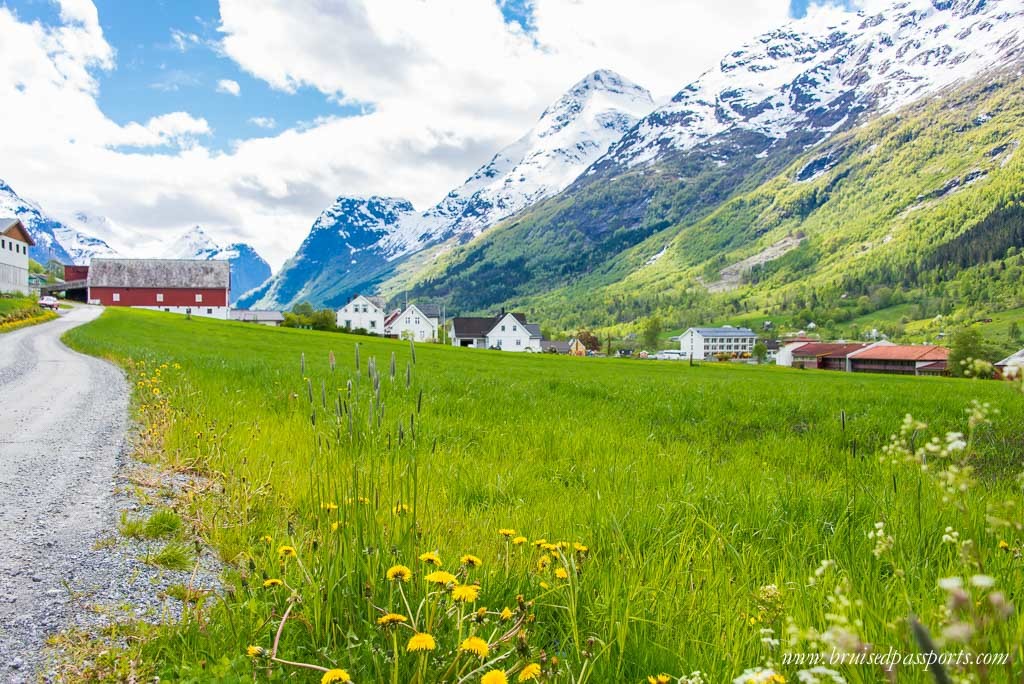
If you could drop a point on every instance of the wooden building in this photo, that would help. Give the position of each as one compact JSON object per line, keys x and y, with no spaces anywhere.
{"x":193,"y":286}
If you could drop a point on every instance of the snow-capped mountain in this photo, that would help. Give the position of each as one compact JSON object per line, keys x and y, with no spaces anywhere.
{"x":54,"y":240}
{"x":76,"y":236}
{"x":825,"y":72}
{"x":357,"y":241}
{"x":739,"y":125}
{"x":340,"y":244}
{"x":248,"y":269}
{"x":571,"y":134}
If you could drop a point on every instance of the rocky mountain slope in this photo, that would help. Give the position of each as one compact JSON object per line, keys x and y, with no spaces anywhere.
{"x":248,"y":269}
{"x":663,"y":199}
{"x":356,"y":242}
{"x":54,"y":239}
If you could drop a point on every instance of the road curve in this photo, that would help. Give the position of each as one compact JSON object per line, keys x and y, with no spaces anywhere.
{"x":63,"y":419}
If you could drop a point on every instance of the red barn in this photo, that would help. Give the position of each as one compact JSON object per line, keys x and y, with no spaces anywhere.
{"x":73,"y":272}
{"x":174,"y":285}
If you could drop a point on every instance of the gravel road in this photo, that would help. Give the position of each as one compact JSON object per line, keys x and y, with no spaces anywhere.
{"x":63,"y":418}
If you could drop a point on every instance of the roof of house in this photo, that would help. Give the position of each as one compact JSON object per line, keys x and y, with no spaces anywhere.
{"x":472,"y":326}
{"x":256,"y":315}
{"x":169,"y":273}
{"x":533,"y":328}
{"x":428,"y":309}
{"x":903,"y":352}
{"x":836,"y":350}
{"x":1018,"y":357}
{"x":10,"y":226}
{"x":934,"y":365}
{"x":560,"y":346}
{"x":390,"y":318}
{"x":725,"y":332}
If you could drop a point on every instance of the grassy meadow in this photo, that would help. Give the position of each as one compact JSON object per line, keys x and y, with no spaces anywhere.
{"x":657,"y":518}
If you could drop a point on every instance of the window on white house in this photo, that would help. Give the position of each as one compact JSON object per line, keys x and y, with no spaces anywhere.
{"x":209,"y":312}
{"x":159,"y":296}
{"x":502,"y":328}
{"x":116,"y":297}
{"x":514,"y":328}
{"x":373,"y":324}
{"x":519,"y":343}
{"x":199,"y":299}
{"x":417,"y":320}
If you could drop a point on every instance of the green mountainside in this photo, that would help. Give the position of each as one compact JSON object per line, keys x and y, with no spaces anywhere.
{"x":921,"y":207}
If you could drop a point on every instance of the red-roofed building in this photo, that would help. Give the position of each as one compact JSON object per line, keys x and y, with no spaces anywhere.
{"x":901,"y":359}
{"x":808,"y":355}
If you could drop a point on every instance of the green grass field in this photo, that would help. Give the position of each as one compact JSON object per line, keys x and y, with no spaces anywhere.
{"x":17,"y":311}
{"x":715,"y":509}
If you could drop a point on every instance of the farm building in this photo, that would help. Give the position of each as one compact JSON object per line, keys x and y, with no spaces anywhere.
{"x":556,"y":346}
{"x":271,"y":318}
{"x":900,"y":359}
{"x":14,"y":244}
{"x":418,"y":322}
{"x":363,"y":313}
{"x":1011,"y":360}
{"x":192,"y":286}
{"x":707,"y":343}
{"x":506,"y":331}
{"x":806,"y":354}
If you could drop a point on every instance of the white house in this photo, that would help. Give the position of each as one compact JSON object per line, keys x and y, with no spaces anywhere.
{"x":418,"y":322}
{"x":366,"y":313}
{"x":706,"y":343}
{"x":14,"y":244}
{"x":507,"y":332}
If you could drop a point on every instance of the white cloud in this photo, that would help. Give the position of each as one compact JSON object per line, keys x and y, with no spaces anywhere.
{"x":183,"y":40}
{"x":446,"y":83}
{"x":263,"y":121}
{"x":226,"y":85}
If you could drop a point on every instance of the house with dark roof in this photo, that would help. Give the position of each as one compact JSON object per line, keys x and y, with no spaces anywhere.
{"x":506,"y":331}
{"x":419,"y":321}
{"x":14,"y":244}
{"x":193,"y":286}
{"x":1014,"y":360}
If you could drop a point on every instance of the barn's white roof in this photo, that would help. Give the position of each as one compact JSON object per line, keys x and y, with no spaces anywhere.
{"x":167,"y":273}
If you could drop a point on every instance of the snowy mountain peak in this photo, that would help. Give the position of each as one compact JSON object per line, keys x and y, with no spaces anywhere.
{"x":825,"y":72}
{"x":193,"y":244}
{"x":349,"y":215}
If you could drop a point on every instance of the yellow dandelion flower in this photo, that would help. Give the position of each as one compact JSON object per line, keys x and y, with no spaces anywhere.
{"x":580,"y":547}
{"x":540,"y":542}
{"x":506,"y":532}
{"x":335,"y":526}
{"x":441,"y":577}
{"x":399,"y":573}
{"x":421,"y":642}
{"x":494,"y":677}
{"x":335,"y":676}
{"x":476,"y":646}
{"x":400,"y":509}
{"x":431,"y":558}
{"x":471,"y":560}
{"x":329,"y":506}
{"x":1003,"y":545}
{"x":272,"y":582}
{"x":529,"y":673}
{"x":389,"y":619}
{"x":518,"y":541}
{"x":506,"y":614}
{"x":465,"y":593}
{"x":543,"y":562}
{"x":286,"y":552}
{"x":561,"y":574}
{"x":267,"y":539}
{"x":659,"y":679}
{"x":545,"y":585}
{"x":256,"y":652}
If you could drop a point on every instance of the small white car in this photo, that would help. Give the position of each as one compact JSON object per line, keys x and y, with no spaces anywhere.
{"x":670,"y":355}
{"x":49,"y":302}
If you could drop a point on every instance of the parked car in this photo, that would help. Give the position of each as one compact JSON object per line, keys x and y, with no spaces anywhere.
{"x":49,"y":302}
{"x":670,"y":355}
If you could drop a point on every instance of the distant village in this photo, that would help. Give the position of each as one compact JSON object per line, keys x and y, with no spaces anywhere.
{"x":202,"y":288}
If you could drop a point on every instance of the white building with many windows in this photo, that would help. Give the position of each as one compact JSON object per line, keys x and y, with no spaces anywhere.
{"x":14,"y":244}
{"x":418,"y":322}
{"x":365,"y":313}
{"x":707,"y":343}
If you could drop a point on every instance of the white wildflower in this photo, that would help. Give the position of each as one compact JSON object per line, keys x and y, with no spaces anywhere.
{"x":983,"y":581}
{"x":820,"y":675}
{"x":950,"y":583}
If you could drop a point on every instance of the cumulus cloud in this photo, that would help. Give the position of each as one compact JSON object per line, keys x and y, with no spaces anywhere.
{"x":226,"y":85}
{"x":444,"y":85}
